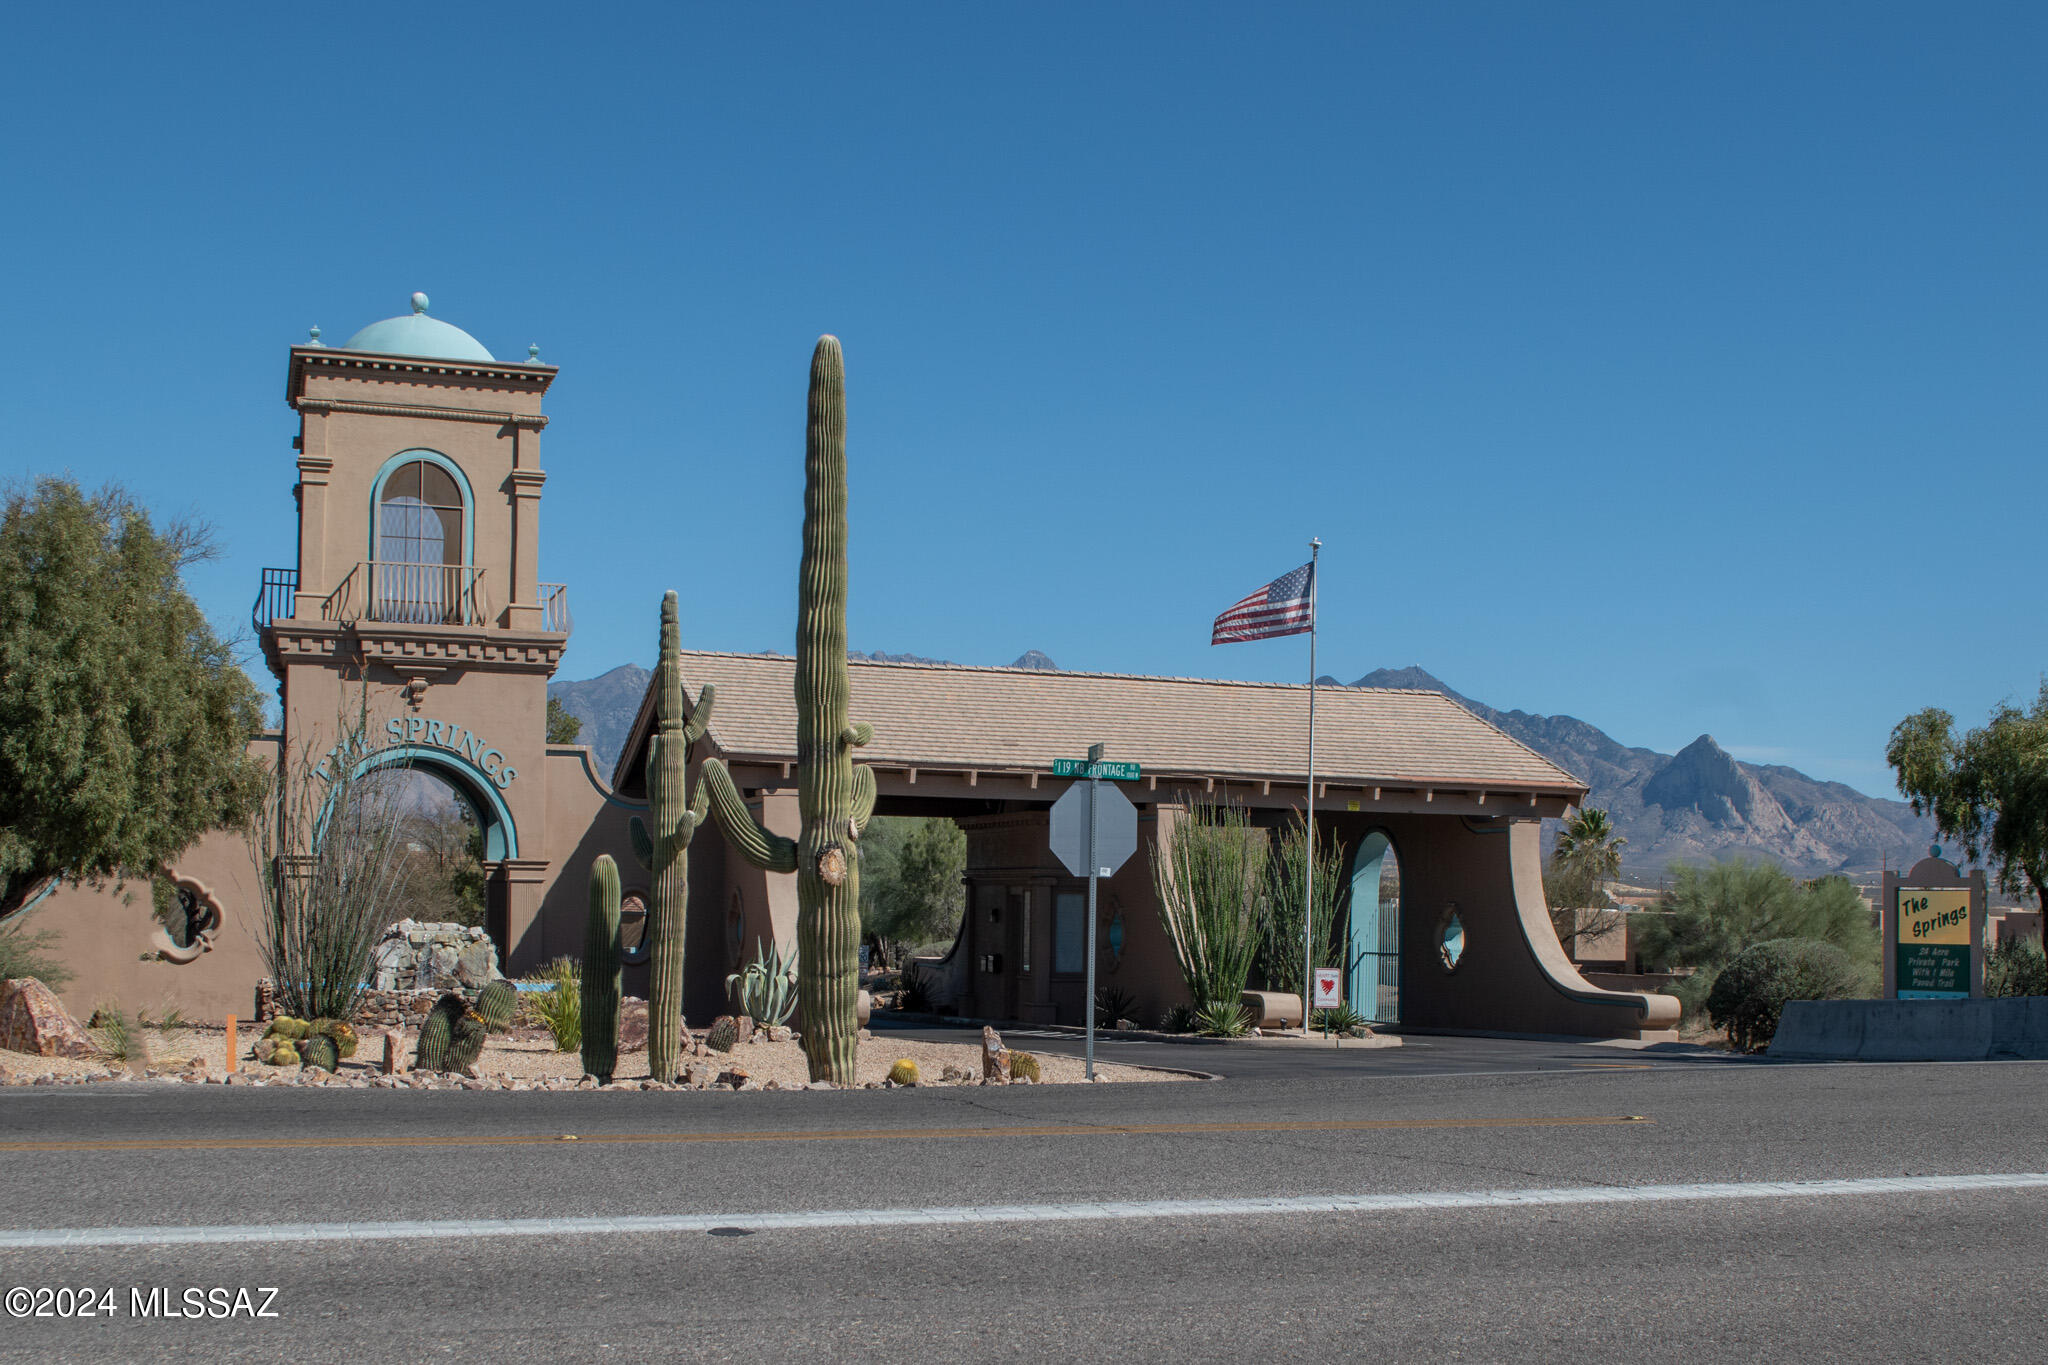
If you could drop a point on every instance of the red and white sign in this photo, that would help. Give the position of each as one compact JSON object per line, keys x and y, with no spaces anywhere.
{"x":1329,"y":988}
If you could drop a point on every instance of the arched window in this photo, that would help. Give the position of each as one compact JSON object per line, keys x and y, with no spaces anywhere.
{"x":419,"y":516}
{"x":422,"y":543}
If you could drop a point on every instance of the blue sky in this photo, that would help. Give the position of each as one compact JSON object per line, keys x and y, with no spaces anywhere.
{"x":1675,"y":366}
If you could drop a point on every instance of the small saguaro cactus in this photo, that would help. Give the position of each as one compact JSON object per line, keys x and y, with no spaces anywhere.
{"x":664,"y":850}
{"x":601,"y":977}
{"x":834,"y":795}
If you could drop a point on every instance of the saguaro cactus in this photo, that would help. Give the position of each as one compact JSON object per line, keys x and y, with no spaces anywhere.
{"x":834,"y":794}
{"x":665,"y":850}
{"x":601,"y":984}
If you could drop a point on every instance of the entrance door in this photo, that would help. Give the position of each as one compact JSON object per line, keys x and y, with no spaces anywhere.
{"x":1373,"y":954}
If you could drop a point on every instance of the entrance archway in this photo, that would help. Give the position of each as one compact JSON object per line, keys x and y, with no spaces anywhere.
{"x":1373,"y":951}
{"x":470,"y":784}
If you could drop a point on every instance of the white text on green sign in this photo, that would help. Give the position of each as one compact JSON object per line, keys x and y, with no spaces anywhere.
{"x":1081,"y":767}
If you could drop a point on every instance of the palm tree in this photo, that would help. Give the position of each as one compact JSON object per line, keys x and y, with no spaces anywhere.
{"x":1589,"y":845}
{"x":1587,"y":857}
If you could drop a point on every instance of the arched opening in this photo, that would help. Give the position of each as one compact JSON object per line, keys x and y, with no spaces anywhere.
{"x":1373,"y":954}
{"x":447,"y":828}
{"x":421,"y":541}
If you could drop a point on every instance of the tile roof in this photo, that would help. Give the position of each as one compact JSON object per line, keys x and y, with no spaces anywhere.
{"x":953,"y":716}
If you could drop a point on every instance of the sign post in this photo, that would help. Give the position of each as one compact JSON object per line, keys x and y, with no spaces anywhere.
{"x":1094,"y":829}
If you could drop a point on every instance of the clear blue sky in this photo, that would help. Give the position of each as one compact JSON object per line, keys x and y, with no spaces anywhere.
{"x":1676,"y":366}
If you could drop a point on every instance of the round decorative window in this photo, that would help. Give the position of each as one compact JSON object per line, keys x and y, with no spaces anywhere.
{"x":186,"y":918}
{"x":633,"y":942}
{"x":1450,"y":939}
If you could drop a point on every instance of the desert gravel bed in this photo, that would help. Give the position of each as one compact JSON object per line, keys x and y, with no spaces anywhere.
{"x":526,"y":1059}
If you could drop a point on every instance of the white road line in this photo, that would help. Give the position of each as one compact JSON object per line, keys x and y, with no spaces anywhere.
{"x":71,"y":1238}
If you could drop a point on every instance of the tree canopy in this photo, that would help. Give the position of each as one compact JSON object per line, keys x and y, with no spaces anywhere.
{"x":910,"y":881}
{"x":124,"y":720}
{"x":1713,"y":913}
{"x":1987,"y":788}
{"x":1587,"y":857}
{"x":563,"y":724}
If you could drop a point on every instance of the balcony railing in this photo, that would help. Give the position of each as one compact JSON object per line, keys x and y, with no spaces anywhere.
{"x":414,"y":594}
{"x":554,"y":607}
{"x":274,"y":600}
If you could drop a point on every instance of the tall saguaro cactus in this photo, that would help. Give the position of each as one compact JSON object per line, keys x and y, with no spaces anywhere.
{"x":664,"y":850}
{"x":834,"y":794}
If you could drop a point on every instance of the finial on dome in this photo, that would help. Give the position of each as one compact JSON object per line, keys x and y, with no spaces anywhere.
{"x":419,"y":303}
{"x":315,"y":339}
{"x":533,"y":353}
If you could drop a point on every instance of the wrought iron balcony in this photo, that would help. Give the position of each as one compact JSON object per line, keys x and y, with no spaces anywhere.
{"x":274,"y":599}
{"x":414,"y":594}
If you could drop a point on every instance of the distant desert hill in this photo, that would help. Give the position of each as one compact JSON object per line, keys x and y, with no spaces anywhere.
{"x":1702,"y":803}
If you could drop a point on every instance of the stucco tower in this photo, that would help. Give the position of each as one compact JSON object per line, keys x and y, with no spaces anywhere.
{"x":417,"y":583}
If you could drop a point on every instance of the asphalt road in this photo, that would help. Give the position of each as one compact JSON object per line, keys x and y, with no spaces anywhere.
{"x":1759,"y":1274}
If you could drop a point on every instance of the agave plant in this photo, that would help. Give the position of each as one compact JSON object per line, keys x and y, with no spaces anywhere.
{"x":1223,"y":1019}
{"x":766,"y":987}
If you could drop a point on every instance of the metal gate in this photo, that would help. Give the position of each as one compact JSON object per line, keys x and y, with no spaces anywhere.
{"x":1373,"y":965}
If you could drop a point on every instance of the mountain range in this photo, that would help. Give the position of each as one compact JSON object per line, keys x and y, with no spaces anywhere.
{"x":1697,"y":805}
{"x":1703,"y":803}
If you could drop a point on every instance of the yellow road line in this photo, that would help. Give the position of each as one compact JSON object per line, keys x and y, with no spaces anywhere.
{"x":817,"y":1135}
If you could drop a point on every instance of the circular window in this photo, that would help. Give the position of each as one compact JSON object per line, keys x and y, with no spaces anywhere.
{"x":1450,"y":939}
{"x":633,"y":942}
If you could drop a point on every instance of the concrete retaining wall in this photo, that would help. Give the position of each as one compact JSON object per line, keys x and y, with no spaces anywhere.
{"x":1914,"y":1030}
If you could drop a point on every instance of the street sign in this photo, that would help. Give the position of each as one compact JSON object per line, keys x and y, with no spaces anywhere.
{"x":1115,"y":827}
{"x":1102,"y":771}
{"x":1329,"y":988}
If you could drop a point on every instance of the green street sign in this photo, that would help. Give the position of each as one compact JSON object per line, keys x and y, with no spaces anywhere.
{"x":1081,"y":767}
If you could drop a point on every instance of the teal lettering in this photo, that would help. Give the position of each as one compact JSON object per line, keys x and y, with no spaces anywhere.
{"x":473,"y":747}
{"x":433,"y":732}
{"x":505,"y":776}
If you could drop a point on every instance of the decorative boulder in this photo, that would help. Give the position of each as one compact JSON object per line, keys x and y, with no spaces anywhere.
{"x":439,"y":957}
{"x":632,"y":1025}
{"x":33,"y":1020}
{"x":995,"y":1058}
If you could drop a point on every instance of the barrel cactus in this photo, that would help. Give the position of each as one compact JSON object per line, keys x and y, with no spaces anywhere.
{"x":496,"y":1004}
{"x":601,"y":976}
{"x":437,"y":1032}
{"x":664,"y":849}
{"x":904,"y":1072}
{"x":834,"y":794}
{"x":723,"y":1035}
{"x":343,"y":1034}
{"x":319,"y":1050}
{"x":1024,"y":1067}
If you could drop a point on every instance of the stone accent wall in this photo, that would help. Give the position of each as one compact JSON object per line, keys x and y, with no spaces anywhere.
{"x":416,"y":956}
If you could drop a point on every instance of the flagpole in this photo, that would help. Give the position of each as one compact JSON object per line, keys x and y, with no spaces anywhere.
{"x":1308,"y":896}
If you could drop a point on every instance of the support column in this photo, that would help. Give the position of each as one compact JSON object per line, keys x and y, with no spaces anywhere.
{"x":522,"y":610}
{"x":316,"y":579}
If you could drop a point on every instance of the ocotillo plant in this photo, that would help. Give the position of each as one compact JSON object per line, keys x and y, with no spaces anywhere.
{"x":834,"y":794}
{"x":665,"y":849}
{"x":601,"y":983}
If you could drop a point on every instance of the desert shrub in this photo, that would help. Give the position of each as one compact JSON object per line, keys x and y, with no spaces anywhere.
{"x":560,"y":1006}
{"x":1751,"y":991}
{"x":916,"y":995}
{"x":119,"y":1036}
{"x":1113,"y":1003}
{"x":1340,"y":1019}
{"x":1223,"y":1019}
{"x":1210,"y":876}
{"x":28,"y":954}
{"x":2016,"y":967}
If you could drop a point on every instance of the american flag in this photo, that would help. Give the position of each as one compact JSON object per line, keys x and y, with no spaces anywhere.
{"x":1283,"y":607}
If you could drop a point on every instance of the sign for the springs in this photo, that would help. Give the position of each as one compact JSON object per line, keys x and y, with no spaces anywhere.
{"x":441,"y":734}
{"x":1934,"y":943}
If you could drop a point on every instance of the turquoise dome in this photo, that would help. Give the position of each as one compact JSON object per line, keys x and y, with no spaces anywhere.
{"x":417,"y":334}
